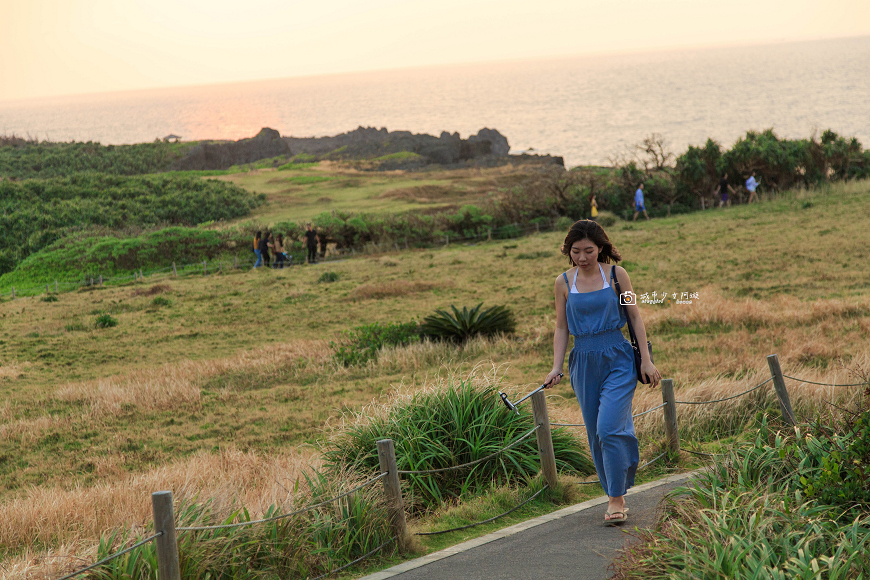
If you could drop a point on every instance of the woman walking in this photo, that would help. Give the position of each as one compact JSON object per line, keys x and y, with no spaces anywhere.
{"x":601,"y":364}
{"x":257,"y":238}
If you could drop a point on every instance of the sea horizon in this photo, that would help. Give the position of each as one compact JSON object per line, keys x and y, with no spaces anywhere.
{"x":587,"y":108}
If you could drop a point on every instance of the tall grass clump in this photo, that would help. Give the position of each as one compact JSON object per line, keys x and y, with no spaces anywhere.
{"x":440,"y":428}
{"x":791,"y":504}
{"x":300,"y":546}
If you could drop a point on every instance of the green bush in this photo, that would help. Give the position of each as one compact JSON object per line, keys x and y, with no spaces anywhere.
{"x":106,"y":320}
{"x":467,"y":323}
{"x":37,"y":213}
{"x":49,"y":298}
{"x":161,"y":301}
{"x":564,"y":223}
{"x":327,"y":277}
{"x":362,"y":344}
{"x":449,"y":427}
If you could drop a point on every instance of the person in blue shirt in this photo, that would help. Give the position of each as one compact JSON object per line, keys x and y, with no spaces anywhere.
{"x":751,"y":185}
{"x":638,"y":203}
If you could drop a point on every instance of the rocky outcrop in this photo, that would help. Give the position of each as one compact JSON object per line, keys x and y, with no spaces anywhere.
{"x":223,"y":155}
{"x":377,"y":148}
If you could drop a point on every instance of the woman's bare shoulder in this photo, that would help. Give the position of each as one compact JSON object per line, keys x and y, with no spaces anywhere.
{"x":560,"y":279}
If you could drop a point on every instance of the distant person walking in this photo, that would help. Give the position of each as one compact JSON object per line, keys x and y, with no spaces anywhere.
{"x":638,"y":203}
{"x":264,"y":249}
{"x":311,"y":243}
{"x":601,"y":365}
{"x":723,"y":190}
{"x":751,"y":186}
{"x":257,"y":237}
{"x":593,"y":213}
{"x":278,"y":248}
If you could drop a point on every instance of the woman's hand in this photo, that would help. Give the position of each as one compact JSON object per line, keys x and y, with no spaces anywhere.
{"x":649,"y":370}
{"x":553,"y":379}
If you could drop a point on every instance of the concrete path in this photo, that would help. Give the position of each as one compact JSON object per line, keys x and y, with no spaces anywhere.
{"x":572,"y":543}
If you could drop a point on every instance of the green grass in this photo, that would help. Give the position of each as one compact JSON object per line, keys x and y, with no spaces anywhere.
{"x":399,"y":156}
{"x":768,"y":282}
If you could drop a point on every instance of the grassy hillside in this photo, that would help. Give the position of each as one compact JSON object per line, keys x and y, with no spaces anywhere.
{"x":208,"y":369}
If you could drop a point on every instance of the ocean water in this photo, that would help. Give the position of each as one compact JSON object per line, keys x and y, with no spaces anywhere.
{"x":587,"y":109}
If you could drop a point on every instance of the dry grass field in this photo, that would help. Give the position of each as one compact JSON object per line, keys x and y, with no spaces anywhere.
{"x":225,"y":387}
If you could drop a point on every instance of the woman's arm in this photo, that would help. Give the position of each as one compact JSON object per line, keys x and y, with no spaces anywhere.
{"x":560,"y":336}
{"x":646,"y":365}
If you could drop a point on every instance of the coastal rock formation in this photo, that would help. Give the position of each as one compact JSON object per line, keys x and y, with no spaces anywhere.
{"x":223,"y":155}
{"x":377,"y":149}
{"x":486,"y":149}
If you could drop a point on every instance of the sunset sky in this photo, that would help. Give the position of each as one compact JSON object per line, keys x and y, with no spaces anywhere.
{"x":61,"y":47}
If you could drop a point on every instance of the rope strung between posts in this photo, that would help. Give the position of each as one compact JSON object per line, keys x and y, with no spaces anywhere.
{"x":633,"y":416}
{"x":282,"y":516}
{"x":363,"y":557}
{"x":653,"y":460}
{"x":725,"y":398}
{"x":476,"y":461}
{"x":701,"y":453}
{"x":513,"y":509}
{"x":113,"y":556}
{"x":826,"y":384}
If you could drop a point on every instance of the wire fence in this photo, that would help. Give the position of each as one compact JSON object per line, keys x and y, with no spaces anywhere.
{"x":205,"y":267}
{"x":389,"y":475}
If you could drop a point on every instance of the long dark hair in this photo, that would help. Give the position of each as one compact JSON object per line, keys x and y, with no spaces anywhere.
{"x":588,"y":229}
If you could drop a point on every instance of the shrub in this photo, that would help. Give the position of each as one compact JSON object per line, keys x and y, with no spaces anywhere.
{"x":106,"y":320}
{"x":564,"y":223}
{"x":328,"y":277}
{"x":49,"y":298}
{"x":161,"y":301}
{"x":606,"y":219}
{"x":362,"y":344}
{"x":462,"y":325}
{"x":444,"y":428}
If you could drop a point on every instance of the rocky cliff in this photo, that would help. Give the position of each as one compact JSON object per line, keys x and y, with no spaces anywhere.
{"x":378,"y":148}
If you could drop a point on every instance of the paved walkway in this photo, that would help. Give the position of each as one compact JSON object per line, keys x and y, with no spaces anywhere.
{"x":572,"y":543}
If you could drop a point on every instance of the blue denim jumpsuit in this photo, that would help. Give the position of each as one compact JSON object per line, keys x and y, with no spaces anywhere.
{"x":601,"y":368}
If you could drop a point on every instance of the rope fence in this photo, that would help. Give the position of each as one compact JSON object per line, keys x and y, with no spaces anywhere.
{"x":164,"y":519}
{"x":108,"y":559}
{"x":486,"y":521}
{"x":283,"y":516}
{"x":864,"y":384}
{"x":205,"y":267}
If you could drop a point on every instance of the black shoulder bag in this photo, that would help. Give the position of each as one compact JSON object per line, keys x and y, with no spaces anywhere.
{"x":634,"y":345}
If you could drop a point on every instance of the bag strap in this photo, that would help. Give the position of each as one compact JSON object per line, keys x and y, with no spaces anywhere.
{"x":622,"y":306}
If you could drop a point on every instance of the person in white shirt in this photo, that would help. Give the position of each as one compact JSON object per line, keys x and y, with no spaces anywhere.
{"x":751,"y":185}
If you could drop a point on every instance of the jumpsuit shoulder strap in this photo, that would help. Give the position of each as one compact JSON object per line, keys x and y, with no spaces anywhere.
{"x":565,"y":276}
{"x":613,"y":285}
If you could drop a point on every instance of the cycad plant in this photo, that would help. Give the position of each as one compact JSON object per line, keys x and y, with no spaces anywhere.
{"x":467,"y":323}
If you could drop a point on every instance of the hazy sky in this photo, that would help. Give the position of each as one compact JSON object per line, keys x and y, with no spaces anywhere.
{"x":59,"y":47}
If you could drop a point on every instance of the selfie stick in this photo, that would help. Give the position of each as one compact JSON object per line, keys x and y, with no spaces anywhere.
{"x":513,"y":406}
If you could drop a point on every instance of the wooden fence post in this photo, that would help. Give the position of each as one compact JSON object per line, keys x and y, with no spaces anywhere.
{"x":781,"y":391}
{"x":167,"y":546}
{"x":393,"y":491}
{"x":141,"y":275}
{"x":101,"y":279}
{"x":220,"y":267}
{"x":670,"y":411}
{"x":13,"y":292}
{"x":92,"y":282}
{"x":174,"y":271}
{"x":55,"y":286}
{"x":545,"y":438}
{"x":235,"y":262}
{"x":47,"y":291}
{"x":204,"y":268}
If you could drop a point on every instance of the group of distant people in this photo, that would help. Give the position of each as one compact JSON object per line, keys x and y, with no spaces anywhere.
{"x":269,"y":245}
{"x":722,"y":190}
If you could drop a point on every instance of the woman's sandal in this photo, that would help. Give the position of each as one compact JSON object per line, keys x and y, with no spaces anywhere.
{"x":616,"y":520}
